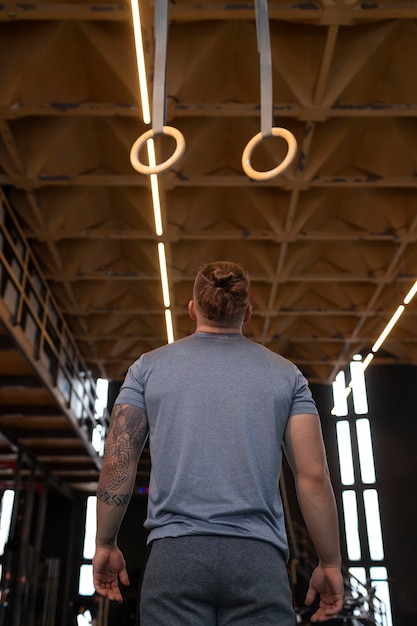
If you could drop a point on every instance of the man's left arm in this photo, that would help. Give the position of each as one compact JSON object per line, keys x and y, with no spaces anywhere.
{"x":125,"y":440}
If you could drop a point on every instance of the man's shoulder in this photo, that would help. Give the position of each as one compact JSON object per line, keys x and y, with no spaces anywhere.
{"x":267,"y":353}
{"x":168,"y":348}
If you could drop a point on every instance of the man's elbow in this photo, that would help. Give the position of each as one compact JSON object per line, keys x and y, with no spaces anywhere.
{"x":315,"y":478}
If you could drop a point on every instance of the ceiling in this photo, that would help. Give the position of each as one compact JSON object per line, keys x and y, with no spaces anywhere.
{"x":330,"y":244}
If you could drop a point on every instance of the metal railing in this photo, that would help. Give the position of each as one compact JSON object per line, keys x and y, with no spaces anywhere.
{"x":31,"y":306}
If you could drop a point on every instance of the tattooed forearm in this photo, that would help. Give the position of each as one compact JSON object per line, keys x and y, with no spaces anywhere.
{"x":126,"y":438}
{"x":113,"y":499}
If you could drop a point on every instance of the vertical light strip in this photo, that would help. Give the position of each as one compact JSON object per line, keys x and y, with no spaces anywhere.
{"x":411,"y":294}
{"x":164,"y":274}
{"x":373,"y":524}
{"x":344,"y":446}
{"x":156,"y":204}
{"x":366,"y":453}
{"x":350,"y":509}
{"x":140,"y":58}
{"x":168,"y":324}
{"x":388,"y":328}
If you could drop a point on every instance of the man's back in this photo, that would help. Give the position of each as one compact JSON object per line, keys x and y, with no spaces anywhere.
{"x":217,"y":407}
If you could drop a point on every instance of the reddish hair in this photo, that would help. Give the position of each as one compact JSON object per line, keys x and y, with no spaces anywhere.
{"x":221,"y":291}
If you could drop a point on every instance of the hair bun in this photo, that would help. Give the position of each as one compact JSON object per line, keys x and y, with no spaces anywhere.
{"x":223,"y":281}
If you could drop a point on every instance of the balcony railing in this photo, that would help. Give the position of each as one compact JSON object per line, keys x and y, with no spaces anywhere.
{"x":32,"y":307}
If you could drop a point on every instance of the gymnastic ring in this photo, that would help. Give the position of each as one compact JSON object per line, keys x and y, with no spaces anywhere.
{"x":247,"y":153}
{"x":161,"y":167}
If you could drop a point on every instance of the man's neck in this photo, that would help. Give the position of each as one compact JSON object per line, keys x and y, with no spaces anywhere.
{"x":205,"y":328}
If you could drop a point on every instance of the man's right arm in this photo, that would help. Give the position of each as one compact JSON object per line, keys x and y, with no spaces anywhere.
{"x":125,"y":440}
{"x":304,"y":448}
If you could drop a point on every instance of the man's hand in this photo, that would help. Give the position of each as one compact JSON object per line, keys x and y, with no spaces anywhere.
{"x":108,"y":568}
{"x":327,"y":581}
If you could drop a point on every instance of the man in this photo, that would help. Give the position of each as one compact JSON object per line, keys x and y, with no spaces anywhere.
{"x":219,"y":409}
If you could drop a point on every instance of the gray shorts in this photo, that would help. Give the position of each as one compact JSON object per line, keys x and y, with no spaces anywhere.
{"x":215,"y":581}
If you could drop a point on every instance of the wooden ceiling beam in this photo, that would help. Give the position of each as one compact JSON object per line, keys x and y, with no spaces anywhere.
{"x":35,"y":432}
{"x":347,"y":277}
{"x":239,"y":180}
{"x":309,"y":12}
{"x":326,"y":62}
{"x":18,"y":110}
{"x":313,"y":112}
{"x":11,"y":150}
{"x":226,"y":235}
{"x":114,"y":12}
{"x":29,"y":409}
{"x":33,"y":462}
{"x":15,"y":381}
{"x":295,"y":312}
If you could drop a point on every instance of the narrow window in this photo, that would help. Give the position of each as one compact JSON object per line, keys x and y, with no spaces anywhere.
{"x":373,"y":524}
{"x":366,"y":454}
{"x":350,"y":509}
{"x":85,"y":586}
{"x":344,"y":445}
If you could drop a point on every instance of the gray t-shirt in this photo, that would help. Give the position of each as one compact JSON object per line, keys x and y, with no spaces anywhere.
{"x":217,"y":408}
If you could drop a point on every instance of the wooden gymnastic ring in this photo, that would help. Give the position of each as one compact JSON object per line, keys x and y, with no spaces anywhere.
{"x":161,"y":167}
{"x":247,"y":153}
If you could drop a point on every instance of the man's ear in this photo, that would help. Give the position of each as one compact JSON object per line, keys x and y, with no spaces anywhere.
{"x":248,"y":314}
{"x":191,"y":310}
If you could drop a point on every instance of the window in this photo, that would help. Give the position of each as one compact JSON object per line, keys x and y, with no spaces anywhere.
{"x":360,"y":499}
{"x":85,"y":585}
{"x":6,"y":511}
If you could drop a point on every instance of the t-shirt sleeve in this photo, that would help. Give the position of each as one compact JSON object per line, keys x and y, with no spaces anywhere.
{"x":303,"y":400}
{"x":132,"y":390}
